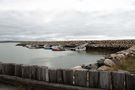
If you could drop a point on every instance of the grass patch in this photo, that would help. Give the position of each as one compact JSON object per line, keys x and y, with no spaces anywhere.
{"x":128,"y":65}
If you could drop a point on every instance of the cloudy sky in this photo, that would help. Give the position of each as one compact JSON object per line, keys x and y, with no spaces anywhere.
{"x":67,"y":19}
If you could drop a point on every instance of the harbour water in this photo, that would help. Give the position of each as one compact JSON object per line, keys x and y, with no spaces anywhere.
{"x":10,"y":53}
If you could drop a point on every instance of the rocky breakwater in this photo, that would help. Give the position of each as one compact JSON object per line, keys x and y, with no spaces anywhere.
{"x":110,"y":62}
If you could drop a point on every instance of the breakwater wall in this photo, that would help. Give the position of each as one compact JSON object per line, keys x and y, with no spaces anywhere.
{"x":110,"y":62}
{"x":82,"y":78}
{"x":93,"y":43}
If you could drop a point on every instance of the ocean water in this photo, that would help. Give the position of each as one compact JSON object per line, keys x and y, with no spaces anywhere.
{"x":10,"y":53}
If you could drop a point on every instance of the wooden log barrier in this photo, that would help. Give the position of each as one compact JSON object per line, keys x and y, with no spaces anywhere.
{"x":105,"y":80}
{"x":130,"y":81}
{"x":80,"y":78}
{"x":83,"y":78}
{"x":59,"y":76}
{"x":26,"y":71}
{"x":68,"y":77}
{"x":93,"y":79}
{"x":52,"y":75}
{"x":42,"y":72}
{"x":18,"y":70}
{"x":118,"y":81}
{"x":34,"y":72}
{"x":8,"y":69}
{"x":0,"y":67}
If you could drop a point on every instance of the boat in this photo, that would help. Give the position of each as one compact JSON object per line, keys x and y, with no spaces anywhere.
{"x":80,"y":48}
{"x":47,"y":46}
{"x":57,"y":48}
{"x":30,"y":46}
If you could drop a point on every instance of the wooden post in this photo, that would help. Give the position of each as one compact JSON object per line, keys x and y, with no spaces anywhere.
{"x":34,"y":72}
{"x":26,"y":71}
{"x":118,"y":81}
{"x":42,"y":72}
{"x":80,"y":78}
{"x":0,"y":67}
{"x":18,"y":70}
{"x":68,"y":77}
{"x":59,"y":76}
{"x":8,"y":68}
{"x":52,"y":75}
{"x":130,"y":81}
{"x":93,"y":79}
{"x":105,"y":80}
{"x":38,"y":73}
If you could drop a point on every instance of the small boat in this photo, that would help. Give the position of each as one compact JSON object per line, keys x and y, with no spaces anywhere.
{"x":80,"y":48}
{"x":30,"y":46}
{"x":47,"y":46}
{"x":57,"y":48}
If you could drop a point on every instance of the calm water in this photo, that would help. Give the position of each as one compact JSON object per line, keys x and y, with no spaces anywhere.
{"x":10,"y":53}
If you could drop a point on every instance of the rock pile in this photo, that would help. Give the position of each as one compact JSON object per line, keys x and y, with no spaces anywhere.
{"x":111,"y":60}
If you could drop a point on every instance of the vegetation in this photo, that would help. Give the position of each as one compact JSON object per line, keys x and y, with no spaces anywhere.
{"x":128,"y":65}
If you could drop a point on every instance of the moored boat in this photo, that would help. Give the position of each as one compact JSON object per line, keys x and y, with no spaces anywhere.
{"x":30,"y":46}
{"x":80,"y":48}
{"x":47,"y":46}
{"x":57,"y":48}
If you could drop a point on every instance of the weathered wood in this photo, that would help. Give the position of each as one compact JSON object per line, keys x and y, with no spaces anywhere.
{"x":105,"y":80}
{"x":0,"y":67}
{"x":38,"y":73}
{"x":93,"y":79}
{"x":60,"y":76}
{"x":26,"y":71}
{"x":68,"y":77}
{"x":37,"y":85}
{"x":34,"y":72}
{"x":80,"y":78}
{"x":130,"y":81}
{"x":18,"y":70}
{"x":47,"y":75}
{"x":41,"y":73}
{"x":52,"y":75}
{"x":8,"y":68}
{"x":118,"y":81}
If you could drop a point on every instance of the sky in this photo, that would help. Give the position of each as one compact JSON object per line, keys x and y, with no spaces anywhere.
{"x":67,"y":19}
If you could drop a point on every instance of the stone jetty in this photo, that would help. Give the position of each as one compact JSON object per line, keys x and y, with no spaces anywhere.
{"x":91,"y":43}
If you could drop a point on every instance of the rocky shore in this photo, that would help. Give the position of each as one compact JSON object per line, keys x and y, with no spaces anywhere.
{"x":110,"y":62}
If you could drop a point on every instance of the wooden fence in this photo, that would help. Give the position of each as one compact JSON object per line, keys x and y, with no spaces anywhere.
{"x":89,"y":79}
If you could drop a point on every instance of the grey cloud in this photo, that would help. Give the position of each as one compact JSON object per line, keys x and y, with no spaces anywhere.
{"x":16,"y":25}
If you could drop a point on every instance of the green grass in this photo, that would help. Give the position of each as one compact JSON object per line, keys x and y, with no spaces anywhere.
{"x":128,"y":65}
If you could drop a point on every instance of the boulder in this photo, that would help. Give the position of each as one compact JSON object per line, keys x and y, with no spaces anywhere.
{"x":90,"y":66}
{"x":123,"y":52}
{"x":132,"y":48}
{"x":112,"y":56}
{"x":117,"y":58}
{"x":120,"y":56}
{"x":109,"y":62}
{"x":105,"y":68}
{"x":100,"y":62}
